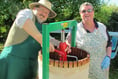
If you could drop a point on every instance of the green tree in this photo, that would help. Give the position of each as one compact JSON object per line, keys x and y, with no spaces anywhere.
{"x":104,"y":13}
{"x":69,"y":9}
{"x":113,"y":20}
{"x":65,"y":9}
{"x":9,"y":9}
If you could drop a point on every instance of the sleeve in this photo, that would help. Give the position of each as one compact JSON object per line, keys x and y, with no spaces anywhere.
{"x":54,"y":41}
{"x":22,"y":16}
{"x":109,"y":43}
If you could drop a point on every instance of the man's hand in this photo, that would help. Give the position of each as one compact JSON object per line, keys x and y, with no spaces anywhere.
{"x":105,"y":63}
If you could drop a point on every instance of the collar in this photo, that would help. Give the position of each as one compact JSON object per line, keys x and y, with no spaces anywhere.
{"x":96,"y":25}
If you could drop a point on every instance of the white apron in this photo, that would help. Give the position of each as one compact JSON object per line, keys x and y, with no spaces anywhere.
{"x":95,"y":44}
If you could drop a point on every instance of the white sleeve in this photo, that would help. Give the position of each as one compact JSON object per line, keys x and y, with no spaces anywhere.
{"x":22,"y":16}
{"x":54,"y":41}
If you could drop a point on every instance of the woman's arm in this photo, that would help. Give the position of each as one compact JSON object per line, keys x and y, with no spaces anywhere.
{"x":109,"y":45}
{"x":109,"y":50}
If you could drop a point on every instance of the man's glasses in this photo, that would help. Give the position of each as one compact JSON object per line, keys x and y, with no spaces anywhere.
{"x":89,"y":11}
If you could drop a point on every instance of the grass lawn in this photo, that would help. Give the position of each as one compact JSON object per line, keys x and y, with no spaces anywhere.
{"x":113,"y":67}
{"x":113,"y":74}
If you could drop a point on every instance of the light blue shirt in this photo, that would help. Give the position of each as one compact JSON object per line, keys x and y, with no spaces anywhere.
{"x":22,"y":16}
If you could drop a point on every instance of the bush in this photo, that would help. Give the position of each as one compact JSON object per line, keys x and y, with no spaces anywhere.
{"x":113,"y":21}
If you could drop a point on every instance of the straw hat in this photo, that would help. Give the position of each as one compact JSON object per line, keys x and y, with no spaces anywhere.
{"x":46,"y":4}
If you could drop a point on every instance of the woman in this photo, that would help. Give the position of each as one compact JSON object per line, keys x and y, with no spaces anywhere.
{"x":93,"y":37}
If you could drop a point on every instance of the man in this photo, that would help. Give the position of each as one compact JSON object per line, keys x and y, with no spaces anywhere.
{"x":18,"y":60}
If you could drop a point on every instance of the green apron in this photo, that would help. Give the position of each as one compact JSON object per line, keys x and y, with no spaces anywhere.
{"x":20,"y":61}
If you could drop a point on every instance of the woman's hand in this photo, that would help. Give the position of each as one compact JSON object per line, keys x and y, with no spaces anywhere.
{"x":51,"y":48}
{"x":68,"y":49}
{"x":105,"y":63}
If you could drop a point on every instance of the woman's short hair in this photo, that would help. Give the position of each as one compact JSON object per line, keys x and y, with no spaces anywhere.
{"x":85,"y":4}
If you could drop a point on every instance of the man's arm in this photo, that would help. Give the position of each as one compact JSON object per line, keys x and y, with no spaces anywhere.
{"x":31,"y":29}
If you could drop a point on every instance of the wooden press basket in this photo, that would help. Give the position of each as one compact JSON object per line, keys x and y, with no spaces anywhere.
{"x":73,"y":68}
{"x":76,"y":58}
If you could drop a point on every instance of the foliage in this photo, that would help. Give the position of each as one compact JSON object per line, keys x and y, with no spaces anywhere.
{"x":69,"y":9}
{"x":104,"y":13}
{"x":107,"y":15}
{"x":1,"y":47}
{"x":65,"y":9}
{"x":9,"y":9}
{"x":3,"y":34}
{"x":113,"y":20}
